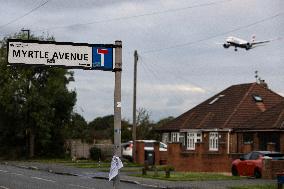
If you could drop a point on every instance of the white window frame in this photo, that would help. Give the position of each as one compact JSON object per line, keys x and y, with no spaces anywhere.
{"x":213,"y":141}
{"x":165,"y":137}
{"x":182,"y":138}
{"x":192,"y":138}
{"x":175,"y":137}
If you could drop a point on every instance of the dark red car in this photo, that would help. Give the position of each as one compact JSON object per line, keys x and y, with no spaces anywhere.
{"x":251,"y":164}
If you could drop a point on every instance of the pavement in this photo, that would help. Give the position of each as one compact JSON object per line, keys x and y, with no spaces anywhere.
{"x":58,"y":168}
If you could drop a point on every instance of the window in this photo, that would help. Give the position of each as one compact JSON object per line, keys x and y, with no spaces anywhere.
{"x":198,"y":137}
{"x":190,"y":141}
{"x":175,"y":137}
{"x":213,"y":141}
{"x":247,"y":138}
{"x":182,"y":138}
{"x":192,"y":138}
{"x":216,"y":99}
{"x":247,"y":156}
{"x":257,"y":98}
{"x":255,"y":156}
{"x":165,"y":137}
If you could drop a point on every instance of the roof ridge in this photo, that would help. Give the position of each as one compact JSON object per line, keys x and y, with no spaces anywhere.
{"x":242,"y":84}
{"x":235,"y":110}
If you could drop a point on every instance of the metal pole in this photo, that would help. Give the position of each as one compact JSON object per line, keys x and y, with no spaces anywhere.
{"x":28,"y":31}
{"x":117,"y":106}
{"x":134,"y":106}
{"x":29,"y":132}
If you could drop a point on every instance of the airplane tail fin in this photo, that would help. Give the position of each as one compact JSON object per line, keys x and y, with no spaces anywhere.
{"x":253,"y":38}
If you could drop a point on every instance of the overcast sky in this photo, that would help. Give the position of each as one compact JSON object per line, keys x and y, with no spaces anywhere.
{"x":180,"y":62}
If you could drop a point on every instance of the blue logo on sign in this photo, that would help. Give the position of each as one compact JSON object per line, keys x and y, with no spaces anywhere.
{"x":102,"y":58}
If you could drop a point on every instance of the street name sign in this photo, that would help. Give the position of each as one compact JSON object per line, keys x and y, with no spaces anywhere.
{"x":66,"y":54}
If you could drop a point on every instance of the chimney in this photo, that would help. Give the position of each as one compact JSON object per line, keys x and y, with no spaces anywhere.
{"x":261,"y":106}
{"x":263,"y":83}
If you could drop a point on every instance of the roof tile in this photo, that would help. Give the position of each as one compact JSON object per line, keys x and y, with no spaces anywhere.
{"x":228,"y":109}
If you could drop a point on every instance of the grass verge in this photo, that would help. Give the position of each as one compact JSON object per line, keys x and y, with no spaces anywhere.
{"x":265,"y":186}
{"x":86,"y":163}
{"x":188,"y":176}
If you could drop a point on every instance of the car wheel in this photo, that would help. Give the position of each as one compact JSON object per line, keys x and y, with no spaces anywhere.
{"x":235,"y":171}
{"x":257,"y":173}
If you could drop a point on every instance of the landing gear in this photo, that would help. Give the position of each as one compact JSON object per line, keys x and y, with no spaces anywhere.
{"x":225,"y":45}
{"x":236,"y":49}
{"x":248,"y":46}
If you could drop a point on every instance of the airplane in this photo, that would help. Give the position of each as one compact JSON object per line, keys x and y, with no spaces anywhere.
{"x":237,"y":42}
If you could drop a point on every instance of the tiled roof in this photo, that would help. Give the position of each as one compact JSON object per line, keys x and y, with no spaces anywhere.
{"x":227,"y":109}
{"x":270,"y":119}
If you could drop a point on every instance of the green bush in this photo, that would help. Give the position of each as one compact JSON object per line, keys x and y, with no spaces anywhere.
{"x":168,"y":170}
{"x":95,"y":154}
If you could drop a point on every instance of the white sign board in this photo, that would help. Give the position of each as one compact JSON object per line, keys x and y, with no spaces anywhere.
{"x":59,"y":54}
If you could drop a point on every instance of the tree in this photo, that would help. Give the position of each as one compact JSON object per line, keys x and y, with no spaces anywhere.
{"x":126,"y":131}
{"x":102,"y":127}
{"x":144,"y":125}
{"x":35,"y":106}
{"x":78,"y":129}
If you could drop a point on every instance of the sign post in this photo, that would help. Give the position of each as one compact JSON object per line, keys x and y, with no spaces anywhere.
{"x":117,"y":106}
{"x":76,"y":55}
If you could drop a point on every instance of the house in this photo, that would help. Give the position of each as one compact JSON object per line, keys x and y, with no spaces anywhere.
{"x":237,"y":120}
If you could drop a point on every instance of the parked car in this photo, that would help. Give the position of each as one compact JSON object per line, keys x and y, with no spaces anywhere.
{"x":251,"y":164}
{"x":149,"y":146}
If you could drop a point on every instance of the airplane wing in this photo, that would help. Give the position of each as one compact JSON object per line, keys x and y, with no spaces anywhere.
{"x":267,"y":41}
{"x":260,"y":42}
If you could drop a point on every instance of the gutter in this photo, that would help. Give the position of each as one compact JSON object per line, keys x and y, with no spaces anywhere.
{"x":213,"y":130}
{"x":258,"y":130}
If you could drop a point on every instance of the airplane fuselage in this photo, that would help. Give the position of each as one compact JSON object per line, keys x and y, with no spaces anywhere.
{"x":237,"y":42}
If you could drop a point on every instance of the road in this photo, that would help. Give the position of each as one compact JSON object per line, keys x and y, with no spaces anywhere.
{"x":12,"y":177}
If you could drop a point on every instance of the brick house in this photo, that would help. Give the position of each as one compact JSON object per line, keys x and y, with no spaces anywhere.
{"x":239,"y":119}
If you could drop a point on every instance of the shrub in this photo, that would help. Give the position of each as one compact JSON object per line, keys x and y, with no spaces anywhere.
{"x":168,"y":170}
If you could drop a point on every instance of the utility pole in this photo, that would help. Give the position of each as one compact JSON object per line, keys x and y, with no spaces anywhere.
{"x":117,"y":106}
{"x":134,"y":106}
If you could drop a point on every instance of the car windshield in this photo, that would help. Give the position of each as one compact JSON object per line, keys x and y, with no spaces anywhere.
{"x":256,"y":155}
{"x":247,"y":156}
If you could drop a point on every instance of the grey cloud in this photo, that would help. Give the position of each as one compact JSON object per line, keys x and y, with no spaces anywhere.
{"x":202,"y":63}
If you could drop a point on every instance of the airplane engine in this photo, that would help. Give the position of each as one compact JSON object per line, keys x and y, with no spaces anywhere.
{"x":248,"y":46}
{"x":226,"y":45}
